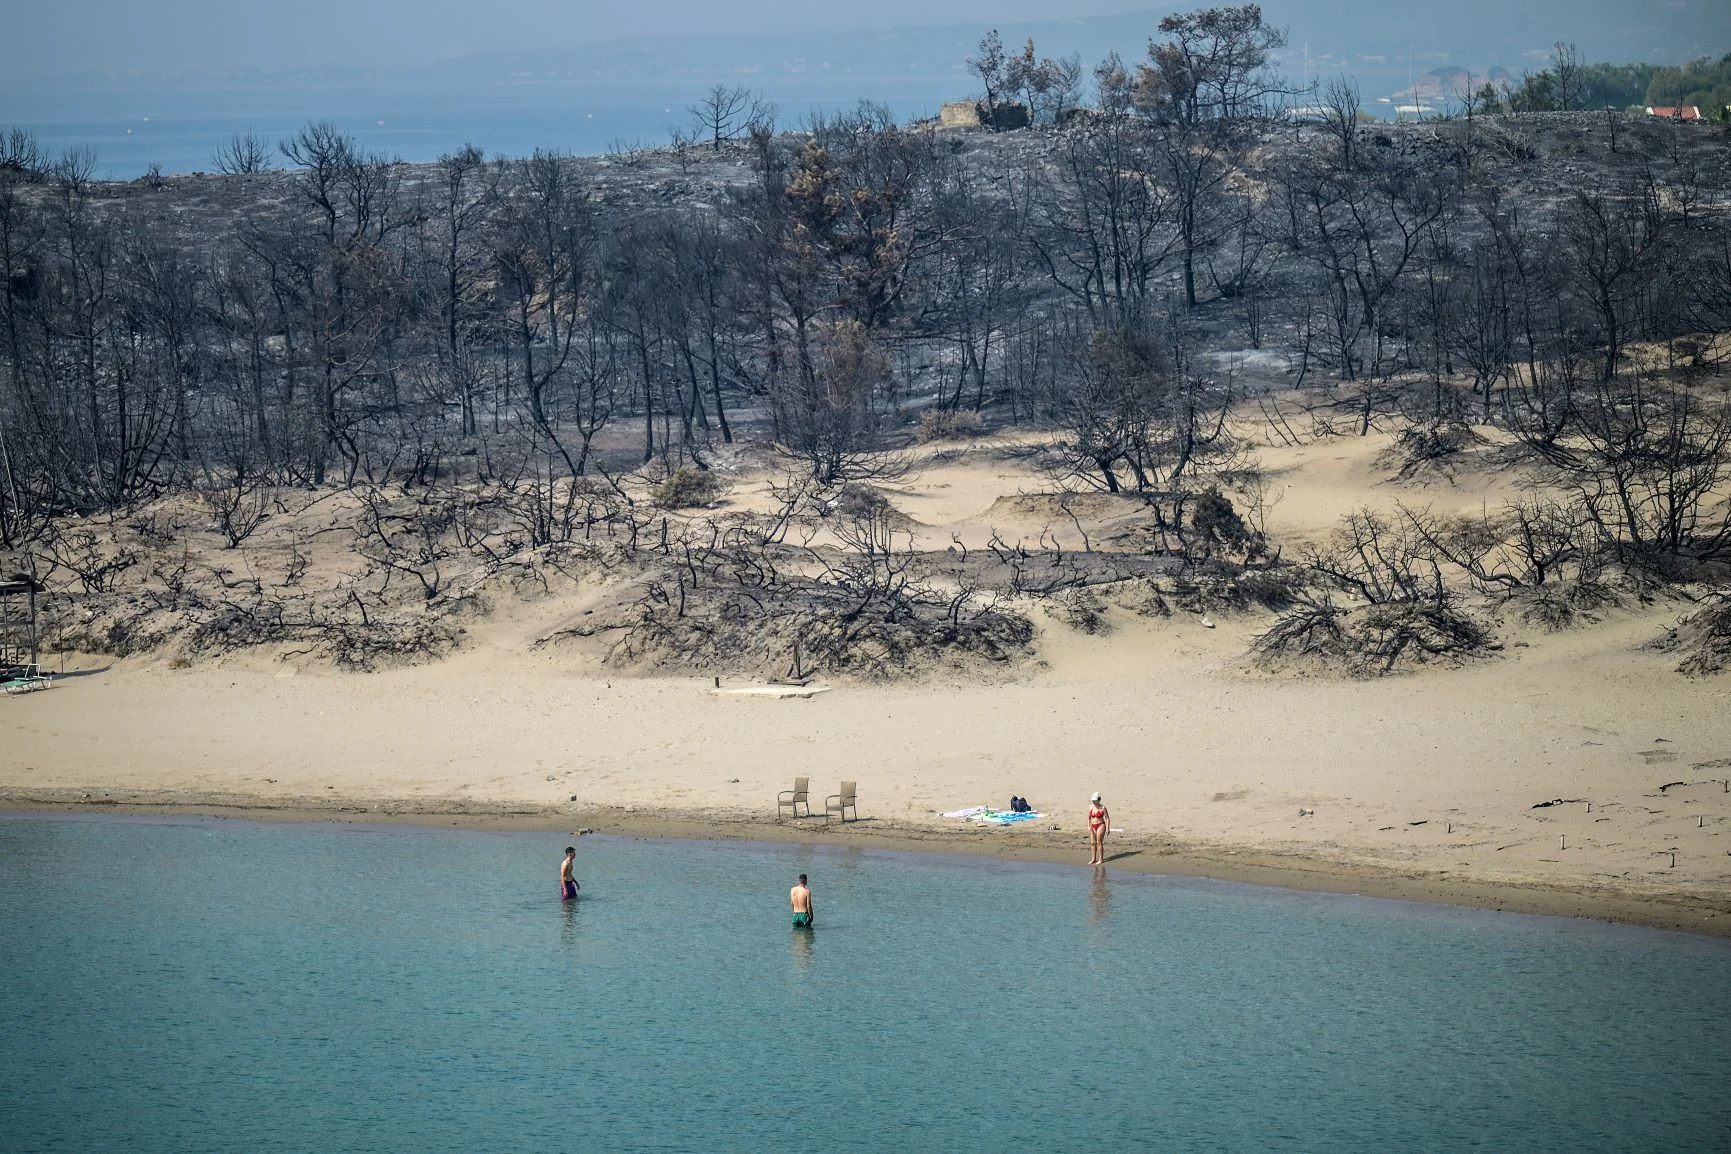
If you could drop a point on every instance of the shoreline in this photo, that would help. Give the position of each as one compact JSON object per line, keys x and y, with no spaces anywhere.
{"x":1708,"y":915}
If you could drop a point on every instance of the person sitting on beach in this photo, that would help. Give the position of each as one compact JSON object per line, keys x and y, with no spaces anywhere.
{"x":1099,"y":824}
{"x":568,"y":886}
{"x":801,"y":898}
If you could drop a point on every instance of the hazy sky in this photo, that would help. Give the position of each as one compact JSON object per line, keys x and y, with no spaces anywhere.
{"x":49,"y":37}
{"x":56,"y":36}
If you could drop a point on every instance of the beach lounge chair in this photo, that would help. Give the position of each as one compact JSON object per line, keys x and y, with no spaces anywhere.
{"x":843,"y":802}
{"x":794,"y":798}
{"x":25,"y":679}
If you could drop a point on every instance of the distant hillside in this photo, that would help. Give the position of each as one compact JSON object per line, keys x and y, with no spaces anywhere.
{"x":1380,"y":45}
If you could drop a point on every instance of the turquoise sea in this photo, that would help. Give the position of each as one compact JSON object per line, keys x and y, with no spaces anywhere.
{"x":204,"y":985}
{"x":131,"y":127}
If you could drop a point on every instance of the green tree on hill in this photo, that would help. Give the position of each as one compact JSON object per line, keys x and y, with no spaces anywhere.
{"x":1568,"y":84}
{"x":1705,"y":83}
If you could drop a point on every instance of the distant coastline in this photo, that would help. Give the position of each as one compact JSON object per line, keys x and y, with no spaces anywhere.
{"x":585,"y":98}
{"x":129,"y":129}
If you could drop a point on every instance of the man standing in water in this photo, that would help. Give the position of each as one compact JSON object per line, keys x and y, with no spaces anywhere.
{"x":801,"y":897}
{"x":567,"y":882}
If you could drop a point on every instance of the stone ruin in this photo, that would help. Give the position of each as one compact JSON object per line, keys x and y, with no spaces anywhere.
{"x":972,"y":114}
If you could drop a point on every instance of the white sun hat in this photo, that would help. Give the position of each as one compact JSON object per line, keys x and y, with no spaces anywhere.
{"x":1096,"y":797}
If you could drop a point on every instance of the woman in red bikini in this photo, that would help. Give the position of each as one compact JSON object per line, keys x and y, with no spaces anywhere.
{"x":1099,"y":824}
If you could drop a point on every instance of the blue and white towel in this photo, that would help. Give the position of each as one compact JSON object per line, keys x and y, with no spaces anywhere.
{"x":997,"y":817}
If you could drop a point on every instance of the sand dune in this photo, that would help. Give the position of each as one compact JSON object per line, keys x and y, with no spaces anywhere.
{"x":1432,"y":777}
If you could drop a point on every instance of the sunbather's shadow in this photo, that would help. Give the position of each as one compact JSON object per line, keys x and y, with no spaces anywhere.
{"x":1123,"y":853}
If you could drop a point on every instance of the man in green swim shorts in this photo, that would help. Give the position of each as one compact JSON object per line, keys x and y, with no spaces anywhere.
{"x":801,"y":898}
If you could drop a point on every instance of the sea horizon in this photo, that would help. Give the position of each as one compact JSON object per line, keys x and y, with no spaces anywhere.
{"x":178,"y":128}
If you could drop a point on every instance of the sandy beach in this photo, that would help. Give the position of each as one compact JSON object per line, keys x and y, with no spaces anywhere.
{"x":1421,"y":786}
{"x":1431,"y":784}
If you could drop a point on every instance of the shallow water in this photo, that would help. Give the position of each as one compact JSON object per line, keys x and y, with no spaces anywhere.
{"x":209,"y":985}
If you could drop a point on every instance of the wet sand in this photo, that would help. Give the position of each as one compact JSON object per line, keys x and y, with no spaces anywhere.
{"x":1703,"y":914}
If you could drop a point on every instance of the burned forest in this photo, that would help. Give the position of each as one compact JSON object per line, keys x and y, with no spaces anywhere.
{"x":322,"y":405}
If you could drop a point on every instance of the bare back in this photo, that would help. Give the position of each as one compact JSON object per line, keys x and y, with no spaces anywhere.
{"x":801,"y":898}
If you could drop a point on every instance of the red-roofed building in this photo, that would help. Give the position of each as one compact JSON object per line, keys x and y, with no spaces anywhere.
{"x":1687,"y":112}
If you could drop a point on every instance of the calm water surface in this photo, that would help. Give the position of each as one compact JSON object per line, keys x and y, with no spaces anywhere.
{"x":131,"y":128}
{"x":225,"y":986}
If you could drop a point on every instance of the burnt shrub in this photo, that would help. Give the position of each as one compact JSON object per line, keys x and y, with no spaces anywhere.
{"x":689,"y":488}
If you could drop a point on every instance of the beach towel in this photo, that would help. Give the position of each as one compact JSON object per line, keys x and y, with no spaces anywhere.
{"x":1000,"y":816}
{"x":986,"y":813}
{"x":997,"y":818}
